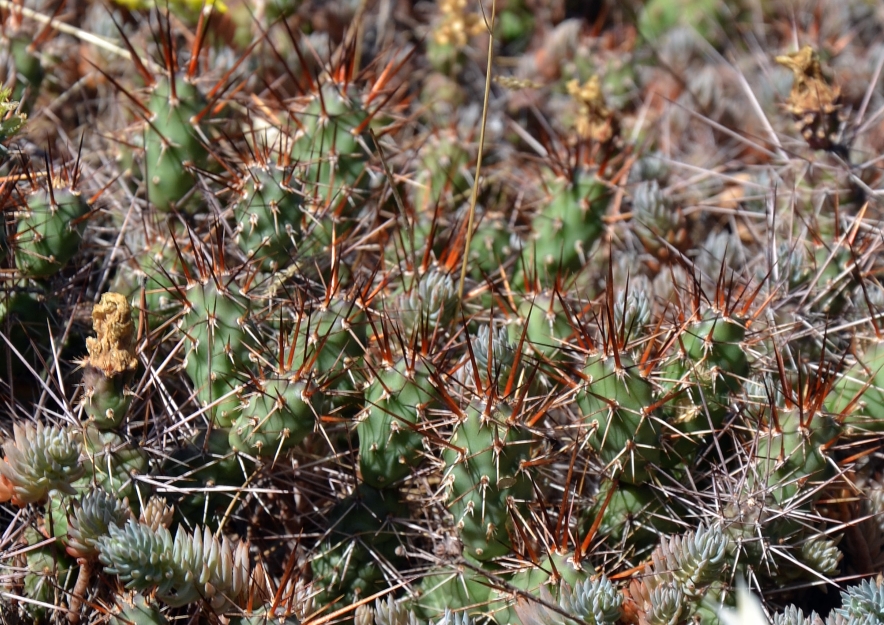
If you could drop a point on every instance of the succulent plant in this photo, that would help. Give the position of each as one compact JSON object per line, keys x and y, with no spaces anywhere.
{"x":486,"y":484}
{"x":110,"y":362}
{"x":40,"y":459}
{"x":189,"y":568}
{"x":91,"y":519}
{"x":49,"y":229}
{"x":390,"y":440}
{"x":137,"y":610}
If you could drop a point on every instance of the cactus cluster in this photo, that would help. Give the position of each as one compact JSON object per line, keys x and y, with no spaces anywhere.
{"x":303,"y":320}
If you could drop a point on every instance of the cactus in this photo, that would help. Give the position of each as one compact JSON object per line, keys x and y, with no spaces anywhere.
{"x":328,"y":341}
{"x":28,"y":70}
{"x":565,"y":231}
{"x":359,"y":545}
{"x":390,"y":440}
{"x":136,"y":610}
{"x":173,"y":146}
{"x":111,"y":462}
{"x":709,"y":366}
{"x":859,"y":403}
{"x":48,"y":575}
{"x":49,"y":229}
{"x":617,"y":402}
{"x":110,"y":363}
{"x":486,"y":483}
{"x":633,"y":514}
{"x":218,"y":347}
{"x":10,"y":121}
{"x":546,"y":325}
{"x":793,"y":450}
{"x":269,"y":216}
{"x":661,"y":373}
{"x":275,"y":418}
{"x":442,"y":589}
{"x":331,"y":148}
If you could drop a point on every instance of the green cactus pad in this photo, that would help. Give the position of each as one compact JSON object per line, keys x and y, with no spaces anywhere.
{"x":49,"y":232}
{"x":276,"y":418}
{"x":617,"y":399}
{"x":173,"y":148}
{"x":390,"y":442}
{"x":486,"y":480}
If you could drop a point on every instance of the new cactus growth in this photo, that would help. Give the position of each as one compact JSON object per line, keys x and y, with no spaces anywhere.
{"x":429,"y":306}
{"x":565,"y":231}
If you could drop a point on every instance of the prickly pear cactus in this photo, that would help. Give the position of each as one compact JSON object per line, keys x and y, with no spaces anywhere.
{"x":390,"y":438}
{"x":49,"y":229}
{"x":487,"y":486}
{"x":174,"y":148}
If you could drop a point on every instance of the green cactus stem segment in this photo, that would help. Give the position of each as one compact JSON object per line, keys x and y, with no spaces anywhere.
{"x":48,"y":231}
{"x":276,"y":417}
{"x":487,"y":486}
{"x":173,"y":147}
{"x":617,"y":399}
{"x":858,"y":395}
{"x":217,"y":351}
{"x":269,"y":216}
{"x":390,"y":440}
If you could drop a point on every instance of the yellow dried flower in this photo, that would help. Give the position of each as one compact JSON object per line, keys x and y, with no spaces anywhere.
{"x":814,"y":103}
{"x":113,"y":348}
{"x":456,"y":25}
{"x":595,"y":120}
